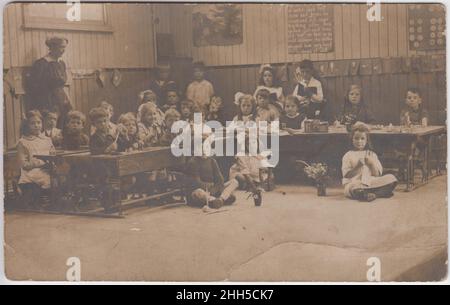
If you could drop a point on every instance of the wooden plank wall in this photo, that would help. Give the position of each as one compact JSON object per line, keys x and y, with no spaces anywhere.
{"x":131,"y":45}
{"x":235,"y":68}
{"x":265,"y":35}
{"x":130,"y":48}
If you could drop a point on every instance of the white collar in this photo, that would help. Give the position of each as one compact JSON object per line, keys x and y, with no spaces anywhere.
{"x":292,"y":117}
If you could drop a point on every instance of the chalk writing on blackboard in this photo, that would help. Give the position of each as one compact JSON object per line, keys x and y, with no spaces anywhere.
{"x":310,"y":28}
{"x":426,"y":27}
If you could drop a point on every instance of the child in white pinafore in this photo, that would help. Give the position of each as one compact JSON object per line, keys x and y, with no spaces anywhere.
{"x":362,"y":171}
{"x":34,"y":179}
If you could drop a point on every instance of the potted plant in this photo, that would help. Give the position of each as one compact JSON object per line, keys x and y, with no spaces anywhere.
{"x":319,"y":173}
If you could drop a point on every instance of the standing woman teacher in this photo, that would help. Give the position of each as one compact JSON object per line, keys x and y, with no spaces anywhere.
{"x":47,"y":80}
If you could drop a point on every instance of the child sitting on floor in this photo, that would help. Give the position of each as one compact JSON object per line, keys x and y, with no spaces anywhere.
{"x":204,"y":182}
{"x":129,"y":137}
{"x":102,"y":141}
{"x":245,"y":174}
{"x":362,"y":171}
{"x":73,"y":135}
{"x":265,"y":110}
{"x":414,"y":113}
{"x":50,"y":130}
{"x":34,"y":178}
{"x":292,"y":120}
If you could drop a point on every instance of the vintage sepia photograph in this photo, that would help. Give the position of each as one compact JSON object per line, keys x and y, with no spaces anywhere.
{"x":224,"y":142}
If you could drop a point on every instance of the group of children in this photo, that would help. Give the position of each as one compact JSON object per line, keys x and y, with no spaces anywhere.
{"x":163,"y":104}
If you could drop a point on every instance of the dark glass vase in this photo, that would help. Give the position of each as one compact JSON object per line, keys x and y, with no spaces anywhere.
{"x":321,"y":189}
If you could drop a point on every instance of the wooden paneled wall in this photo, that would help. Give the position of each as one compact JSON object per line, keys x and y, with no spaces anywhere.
{"x":265,"y":34}
{"x":130,"y":45}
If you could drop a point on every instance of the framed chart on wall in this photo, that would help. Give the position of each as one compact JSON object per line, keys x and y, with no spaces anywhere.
{"x":310,"y":28}
{"x":426,"y":27}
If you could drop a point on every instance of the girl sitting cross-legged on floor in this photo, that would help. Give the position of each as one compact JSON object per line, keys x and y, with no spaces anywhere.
{"x":362,"y":171}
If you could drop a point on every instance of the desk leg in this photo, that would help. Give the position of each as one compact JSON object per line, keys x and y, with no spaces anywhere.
{"x":410,"y":168}
{"x":111,"y":200}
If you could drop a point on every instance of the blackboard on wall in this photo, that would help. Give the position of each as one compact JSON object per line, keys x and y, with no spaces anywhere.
{"x":310,"y":28}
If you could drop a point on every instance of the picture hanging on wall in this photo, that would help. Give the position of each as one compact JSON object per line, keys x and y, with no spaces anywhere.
{"x":217,"y":24}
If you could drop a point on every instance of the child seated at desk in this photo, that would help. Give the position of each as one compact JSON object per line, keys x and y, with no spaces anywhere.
{"x":355,"y":109}
{"x":215,"y":110}
{"x":265,"y":110}
{"x":34,"y":178}
{"x":129,"y":137}
{"x":362,"y":171}
{"x":309,"y":90}
{"x":73,"y":135}
{"x":149,"y":129}
{"x":102,"y":141}
{"x":50,"y":130}
{"x":246,"y":107}
{"x":148,"y":97}
{"x":187,"y":110}
{"x":110,"y":110}
{"x":172,"y":100}
{"x":170,"y":117}
{"x":292,"y":120}
{"x":413,"y":113}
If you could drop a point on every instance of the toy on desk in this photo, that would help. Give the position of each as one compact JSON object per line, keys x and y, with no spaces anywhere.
{"x":315,"y":126}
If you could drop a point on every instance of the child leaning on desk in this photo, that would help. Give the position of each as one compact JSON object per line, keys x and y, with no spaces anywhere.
{"x":34,"y":181}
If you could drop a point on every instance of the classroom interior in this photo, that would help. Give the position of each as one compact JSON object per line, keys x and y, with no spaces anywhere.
{"x":295,"y":235}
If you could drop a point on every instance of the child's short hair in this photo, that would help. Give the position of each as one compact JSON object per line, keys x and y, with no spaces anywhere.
{"x":127,"y":117}
{"x":263,"y":93}
{"x":146,"y":108}
{"x":25,"y":128}
{"x":414,"y":90}
{"x":105,"y":104}
{"x":294,"y":99}
{"x":361,"y":127}
{"x":199,"y":65}
{"x":48,"y":113}
{"x":190,"y":103}
{"x":306,"y":64}
{"x":142,"y":94}
{"x":97,"y":113}
{"x":216,"y":100}
{"x":171,"y":113}
{"x":75,"y":114}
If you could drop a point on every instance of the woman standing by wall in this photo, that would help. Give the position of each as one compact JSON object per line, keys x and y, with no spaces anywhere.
{"x":48,"y":77}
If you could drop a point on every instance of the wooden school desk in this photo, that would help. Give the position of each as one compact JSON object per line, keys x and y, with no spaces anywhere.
{"x":335,"y":143}
{"x":107,"y":171}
